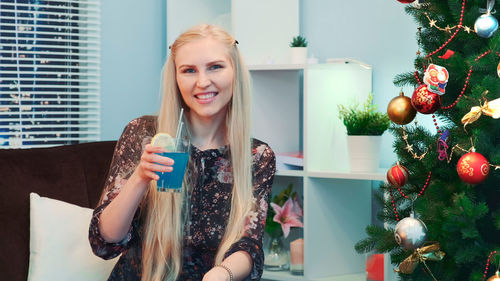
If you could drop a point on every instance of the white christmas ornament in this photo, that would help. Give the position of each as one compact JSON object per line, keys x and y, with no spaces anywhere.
{"x":410,"y":233}
{"x":486,"y":25}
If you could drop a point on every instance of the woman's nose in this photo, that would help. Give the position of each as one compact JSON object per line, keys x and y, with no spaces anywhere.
{"x":203,"y":80}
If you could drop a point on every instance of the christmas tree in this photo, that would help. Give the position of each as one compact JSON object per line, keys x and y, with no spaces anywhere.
{"x":441,"y":205}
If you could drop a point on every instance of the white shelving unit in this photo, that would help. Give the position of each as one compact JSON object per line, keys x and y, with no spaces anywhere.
{"x":290,"y":173}
{"x":380,"y":176}
{"x":286,"y":276}
{"x":276,"y":67}
{"x":295,"y":109}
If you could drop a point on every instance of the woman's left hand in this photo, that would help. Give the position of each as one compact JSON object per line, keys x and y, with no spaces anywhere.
{"x":216,"y":274}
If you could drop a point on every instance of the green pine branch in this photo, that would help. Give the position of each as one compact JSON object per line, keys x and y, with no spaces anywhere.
{"x":464,"y":219}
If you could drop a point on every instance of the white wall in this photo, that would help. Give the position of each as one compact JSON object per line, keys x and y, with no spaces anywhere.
{"x":377,"y":32}
{"x":134,"y":47}
{"x":133,"y":53}
{"x":213,"y":11}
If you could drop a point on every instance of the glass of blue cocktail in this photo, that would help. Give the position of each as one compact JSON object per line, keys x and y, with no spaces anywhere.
{"x":179,"y":152}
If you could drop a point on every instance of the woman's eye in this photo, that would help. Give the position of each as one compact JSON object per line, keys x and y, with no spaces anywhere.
{"x":188,"y":70}
{"x":215,"y":66}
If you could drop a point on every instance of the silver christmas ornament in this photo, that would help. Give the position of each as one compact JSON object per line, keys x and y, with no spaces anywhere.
{"x":410,"y":233}
{"x":486,"y":25}
{"x":417,"y":4}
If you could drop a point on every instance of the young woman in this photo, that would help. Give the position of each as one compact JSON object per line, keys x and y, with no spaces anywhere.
{"x":213,"y":229}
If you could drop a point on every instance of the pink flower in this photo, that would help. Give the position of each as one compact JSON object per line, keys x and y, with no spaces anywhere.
{"x":296,"y":206}
{"x":286,"y":216}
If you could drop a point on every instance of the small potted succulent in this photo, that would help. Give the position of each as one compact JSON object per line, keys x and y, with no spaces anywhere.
{"x":365,"y":127}
{"x":298,"y":50}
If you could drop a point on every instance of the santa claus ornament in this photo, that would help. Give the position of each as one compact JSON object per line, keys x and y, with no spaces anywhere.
{"x":473,"y":168}
{"x":436,"y":78}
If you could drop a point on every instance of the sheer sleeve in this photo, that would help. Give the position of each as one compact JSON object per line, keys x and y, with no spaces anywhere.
{"x":126,"y":156}
{"x":251,"y":242}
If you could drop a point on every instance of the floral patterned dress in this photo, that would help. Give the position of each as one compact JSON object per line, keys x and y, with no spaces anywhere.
{"x":209,"y":208}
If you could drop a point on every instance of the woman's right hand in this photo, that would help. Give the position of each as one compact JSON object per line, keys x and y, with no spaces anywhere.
{"x":151,"y":163}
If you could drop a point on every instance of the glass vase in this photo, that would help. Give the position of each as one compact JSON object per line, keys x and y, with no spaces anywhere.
{"x":277,"y":257}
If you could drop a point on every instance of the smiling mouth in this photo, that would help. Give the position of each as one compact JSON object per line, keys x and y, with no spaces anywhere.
{"x":206,"y":96}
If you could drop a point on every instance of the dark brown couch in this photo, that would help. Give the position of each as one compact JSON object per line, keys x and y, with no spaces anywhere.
{"x":72,"y":173}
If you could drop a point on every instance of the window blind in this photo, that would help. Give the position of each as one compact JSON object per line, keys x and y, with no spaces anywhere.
{"x":49,"y":72}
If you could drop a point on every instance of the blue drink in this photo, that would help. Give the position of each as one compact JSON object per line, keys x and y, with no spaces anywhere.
{"x":172,"y":181}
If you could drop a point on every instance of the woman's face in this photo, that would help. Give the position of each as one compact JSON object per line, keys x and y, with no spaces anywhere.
{"x":205,"y":77}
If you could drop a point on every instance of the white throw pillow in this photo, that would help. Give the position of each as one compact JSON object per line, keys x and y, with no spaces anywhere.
{"x":59,"y":245}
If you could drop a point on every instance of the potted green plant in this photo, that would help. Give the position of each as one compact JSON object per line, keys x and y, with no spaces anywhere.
{"x":298,"y":50}
{"x":365,"y":127}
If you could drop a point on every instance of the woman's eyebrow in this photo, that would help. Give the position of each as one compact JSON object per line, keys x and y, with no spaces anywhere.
{"x":216,"y":61}
{"x":186,"y":65}
{"x":208,"y":63}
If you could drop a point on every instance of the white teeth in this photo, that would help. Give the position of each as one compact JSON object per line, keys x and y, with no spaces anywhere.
{"x":206,"y":96}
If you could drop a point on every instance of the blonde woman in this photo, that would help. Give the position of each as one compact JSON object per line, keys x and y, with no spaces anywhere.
{"x":213,"y":230}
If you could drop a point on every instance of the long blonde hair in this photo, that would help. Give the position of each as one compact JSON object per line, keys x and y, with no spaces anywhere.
{"x":163,"y":223}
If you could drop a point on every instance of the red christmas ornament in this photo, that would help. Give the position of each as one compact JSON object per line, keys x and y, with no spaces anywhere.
{"x":406,"y":1}
{"x":397,"y":175}
{"x":473,"y":168}
{"x":424,"y":101}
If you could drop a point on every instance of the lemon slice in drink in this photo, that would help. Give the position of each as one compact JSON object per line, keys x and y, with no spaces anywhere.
{"x":164,"y":141}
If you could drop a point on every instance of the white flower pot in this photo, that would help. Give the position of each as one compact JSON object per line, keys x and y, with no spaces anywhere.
{"x":298,"y":55}
{"x":364,"y":153}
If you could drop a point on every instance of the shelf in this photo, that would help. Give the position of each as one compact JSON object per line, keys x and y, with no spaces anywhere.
{"x":258,"y":67}
{"x":377,"y":176}
{"x":282,"y":276}
{"x":348,"y":277}
{"x":287,"y":276}
{"x":290,"y":173}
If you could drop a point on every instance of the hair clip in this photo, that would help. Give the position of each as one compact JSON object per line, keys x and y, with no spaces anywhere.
{"x":170,"y":47}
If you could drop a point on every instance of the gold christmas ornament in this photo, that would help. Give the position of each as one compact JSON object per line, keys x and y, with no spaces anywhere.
{"x":495,"y":277}
{"x":490,"y":108}
{"x":429,"y":252}
{"x":400,"y":110}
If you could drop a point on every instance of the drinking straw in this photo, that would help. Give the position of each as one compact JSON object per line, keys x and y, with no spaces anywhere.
{"x":179,"y":128}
